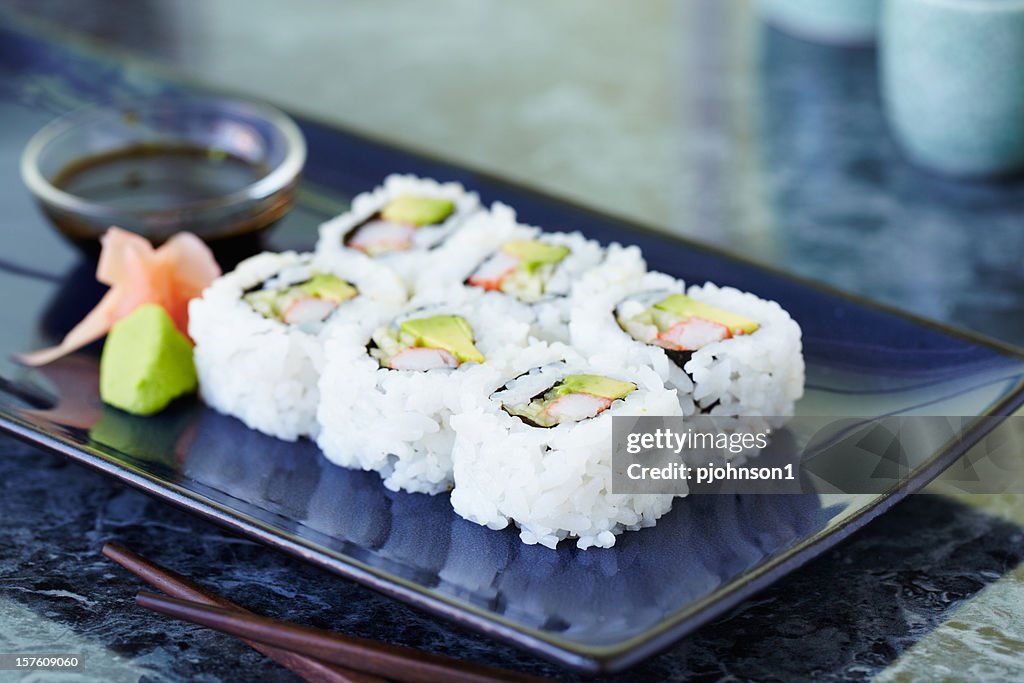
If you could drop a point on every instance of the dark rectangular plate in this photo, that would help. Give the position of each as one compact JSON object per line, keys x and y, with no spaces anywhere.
{"x":592,"y":610}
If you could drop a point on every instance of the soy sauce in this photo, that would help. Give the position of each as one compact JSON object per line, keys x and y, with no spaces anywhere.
{"x":180,"y":184}
{"x":157,"y":176}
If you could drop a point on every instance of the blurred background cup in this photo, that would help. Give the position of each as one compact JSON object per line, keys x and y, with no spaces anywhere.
{"x":952,"y":75}
{"x":841,"y":22}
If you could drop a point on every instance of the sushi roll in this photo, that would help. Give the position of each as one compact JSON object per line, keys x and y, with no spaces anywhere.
{"x":259,"y":332}
{"x":399,"y":222}
{"x":387,"y":393}
{"x":726,"y":352}
{"x":536,"y":448}
{"x":496,"y":253}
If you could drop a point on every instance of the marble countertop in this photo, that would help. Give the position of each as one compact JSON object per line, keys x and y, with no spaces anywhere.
{"x":707,"y":124}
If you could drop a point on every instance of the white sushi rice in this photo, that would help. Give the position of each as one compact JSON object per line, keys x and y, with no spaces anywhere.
{"x":408,"y":264}
{"x":396,"y":421}
{"x":263,"y":371}
{"x":554,"y":483}
{"x":485,"y":232}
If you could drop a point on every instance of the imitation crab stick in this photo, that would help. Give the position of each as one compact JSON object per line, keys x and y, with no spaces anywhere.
{"x":169,"y":276}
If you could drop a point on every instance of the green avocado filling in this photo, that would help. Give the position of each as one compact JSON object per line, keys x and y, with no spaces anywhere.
{"x":682,"y":307}
{"x":272,"y":303}
{"x":329,"y":287}
{"x":537,"y":262}
{"x":146,"y":362}
{"x":605,"y":387}
{"x":417,"y":211}
{"x":449,"y":332}
{"x":533,"y":254}
{"x":535,"y":411}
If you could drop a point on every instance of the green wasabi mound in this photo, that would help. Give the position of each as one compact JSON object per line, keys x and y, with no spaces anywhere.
{"x":417,"y":210}
{"x":146,"y":363}
{"x":449,"y":332}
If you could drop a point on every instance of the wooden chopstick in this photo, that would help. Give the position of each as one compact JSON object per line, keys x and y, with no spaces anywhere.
{"x":169,"y":582}
{"x":390,"y":661}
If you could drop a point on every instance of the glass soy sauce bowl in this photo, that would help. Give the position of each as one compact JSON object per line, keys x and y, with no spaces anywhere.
{"x":223,"y":169}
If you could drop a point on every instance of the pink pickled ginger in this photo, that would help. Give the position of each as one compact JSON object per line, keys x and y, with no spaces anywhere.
{"x":169,"y":276}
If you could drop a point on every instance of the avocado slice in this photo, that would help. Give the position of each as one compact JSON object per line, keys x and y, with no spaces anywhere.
{"x":146,"y":362}
{"x":264,"y":302}
{"x":449,"y":332}
{"x":605,"y":387}
{"x":685,"y":307}
{"x":533,"y":253}
{"x":417,"y":210}
{"x":328,"y":287}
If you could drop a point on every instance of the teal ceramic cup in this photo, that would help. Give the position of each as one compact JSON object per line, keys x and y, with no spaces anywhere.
{"x":840,"y":22}
{"x":952,"y":75}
